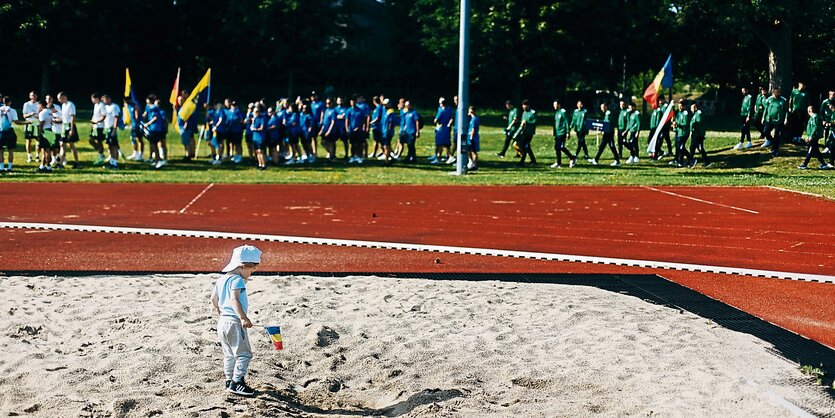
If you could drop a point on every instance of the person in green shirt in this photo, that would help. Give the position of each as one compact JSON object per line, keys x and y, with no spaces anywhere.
{"x":561,"y":129}
{"x":775,"y":117}
{"x":663,"y":135}
{"x":623,"y":117}
{"x":578,"y":125}
{"x":697,"y":130}
{"x":524,"y":135}
{"x":746,"y":114}
{"x":759,"y":107}
{"x":814,"y":132}
{"x":681,"y":124}
{"x":829,"y":140}
{"x":798,"y":102}
{"x":633,"y":128}
{"x":609,"y":120}
{"x":512,"y":119}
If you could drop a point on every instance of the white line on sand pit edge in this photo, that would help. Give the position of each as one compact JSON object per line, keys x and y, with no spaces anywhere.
{"x":424,"y":247}
{"x":196,"y":198}
{"x":696,"y":199}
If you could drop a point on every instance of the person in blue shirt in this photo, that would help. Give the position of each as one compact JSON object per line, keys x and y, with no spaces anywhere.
{"x":187,"y":130}
{"x":136,"y":131}
{"x":375,"y":124}
{"x":410,"y":132}
{"x":294,"y":133}
{"x":236,"y":130}
{"x":401,"y":111}
{"x":307,"y":124}
{"x":443,"y":125}
{"x":207,"y":127}
{"x":366,"y":113}
{"x":219,"y":130}
{"x":317,"y":108}
{"x":258,"y":127}
{"x":387,"y":123}
{"x":274,"y":136}
{"x":154,"y":118}
{"x":341,"y":125}
{"x":329,"y":131}
{"x":248,"y":129}
{"x":475,"y":139}
{"x":283,"y":137}
{"x":356,"y":119}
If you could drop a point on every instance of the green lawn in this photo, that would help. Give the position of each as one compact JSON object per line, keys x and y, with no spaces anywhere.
{"x":753,"y":167}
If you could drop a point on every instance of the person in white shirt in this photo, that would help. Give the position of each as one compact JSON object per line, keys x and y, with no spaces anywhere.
{"x":97,"y":128}
{"x":30,"y":132}
{"x":45,"y":147}
{"x":111,"y":119}
{"x":57,"y":131}
{"x":8,"y":137}
{"x":70,"y":134}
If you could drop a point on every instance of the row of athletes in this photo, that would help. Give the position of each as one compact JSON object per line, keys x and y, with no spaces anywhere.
{"x":621,"y":130}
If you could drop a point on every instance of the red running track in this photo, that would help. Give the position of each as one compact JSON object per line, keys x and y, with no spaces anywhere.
{"x":755,"y":228}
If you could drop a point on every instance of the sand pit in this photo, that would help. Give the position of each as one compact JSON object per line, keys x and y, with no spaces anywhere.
{"x":146,"y":346}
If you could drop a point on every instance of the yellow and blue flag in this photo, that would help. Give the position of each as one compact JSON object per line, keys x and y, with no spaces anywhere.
{"x":275,"y":336}
{"x":130,"y":100}
{"x":198,"y":96}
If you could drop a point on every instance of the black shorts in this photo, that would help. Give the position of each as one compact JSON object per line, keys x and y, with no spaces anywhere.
{"x":293,"y":138}
{"x":45,"y":143}
{"x":112,"y":138}
{"x":235,"y":138}
{"x":407,"y":138}
{"x":344,"y":136}
{"x":8,"y":139}
{"x":31,"y":132}
{"x":357,"y":137}
{"x":70,"y":138}
{"x":331,"y":138}
{"x":97,"y":134}
{"x":155,"y":136}
{"x":377,"y":134}
{"x":385,"y":140}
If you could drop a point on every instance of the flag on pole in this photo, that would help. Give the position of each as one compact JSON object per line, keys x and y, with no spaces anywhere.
{"x":666,"y":117}
{"x":275,"y":336}
{"x":130,"y":99}
{"x":198,"y":96}
{"x":663,"y":80}
{"x":175,"y":92}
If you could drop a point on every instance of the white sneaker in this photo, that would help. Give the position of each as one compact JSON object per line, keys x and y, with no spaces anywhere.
{"x":738,"y":146}
{"x":160,"y":163}
{"x":766,"y":144}
{"x":434,"y":162}
{"x":292,"y":161}
{"x":635,"y":160}
{"x":593,"y":161}
{"x":359,"y":160}
{"x":572,"y":163}
{"x":28,"y":158}
{"x":470,"y":166}
{"x":615,"y":163}
{"x":237,"y":159}
{"x":311,"y":158}
{"x":825,"y":150}
{"x":450,"y":160}
{"x":555,"y":165}
{"x":630,"y":160}
{"x":381,"y":157}
{"x":215,"y":162}
{"x":748,"y":145}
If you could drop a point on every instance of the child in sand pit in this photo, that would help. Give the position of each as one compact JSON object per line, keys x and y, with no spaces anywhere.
{"x":230,"y":302}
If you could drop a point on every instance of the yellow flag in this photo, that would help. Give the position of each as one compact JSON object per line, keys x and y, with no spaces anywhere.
{"x":199,"y":95}
{"x":129,"y":97}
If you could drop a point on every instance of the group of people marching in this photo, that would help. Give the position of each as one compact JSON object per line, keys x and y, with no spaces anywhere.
{"x":291,"y":132}
{"x":780,"y":120}
{"x":688,"y":124}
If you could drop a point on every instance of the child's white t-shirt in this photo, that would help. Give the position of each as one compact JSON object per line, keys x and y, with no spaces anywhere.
{"x":67,"y":112}
{"x":30,"y":107}
{"x":56,"y":115}
{"x":46,"y":117}
{"x":98,"y":113}
{"x":111,"y":112}
{"x":224,"y":290}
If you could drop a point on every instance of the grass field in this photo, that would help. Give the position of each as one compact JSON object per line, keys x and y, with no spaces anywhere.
{"x":753,"y":167}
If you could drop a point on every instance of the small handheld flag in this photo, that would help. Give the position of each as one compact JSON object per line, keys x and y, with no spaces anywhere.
{"x":275,"y":336}
{"x":663,"y":80}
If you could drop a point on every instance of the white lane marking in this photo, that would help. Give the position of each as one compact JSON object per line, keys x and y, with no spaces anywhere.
{"x":783,"y":189}
{"x":424,"y":247}
{"x":696,"y":199}
{"x":779,"y":400}
{"x":196,"y":198}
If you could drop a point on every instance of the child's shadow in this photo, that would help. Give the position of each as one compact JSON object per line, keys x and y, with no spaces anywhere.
{"x":427,"y":396}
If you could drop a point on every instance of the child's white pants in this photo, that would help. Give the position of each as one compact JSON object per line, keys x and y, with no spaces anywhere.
{"x":236,"y":349}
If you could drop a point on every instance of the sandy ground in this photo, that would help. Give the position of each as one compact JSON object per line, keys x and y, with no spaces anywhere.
{"x":146,"y":346}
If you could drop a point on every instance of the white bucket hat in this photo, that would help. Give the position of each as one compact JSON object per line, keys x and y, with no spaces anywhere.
{"x":241,"y":255}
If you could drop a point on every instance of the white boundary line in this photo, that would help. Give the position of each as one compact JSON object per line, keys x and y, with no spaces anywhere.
{"x":779,"y":400}
{"x":783,"y":189}
{"x":196,"y":198}
{"x":701,"y":200}
{"x":818,"y":278}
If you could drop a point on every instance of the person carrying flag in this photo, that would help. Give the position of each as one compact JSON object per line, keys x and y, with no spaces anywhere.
{"x":746,"y":114}
{"x":561,"y":130}
{"x":655,"y":123}
{"x":188,"y":128}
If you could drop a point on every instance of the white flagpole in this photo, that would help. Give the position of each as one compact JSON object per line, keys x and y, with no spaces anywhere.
{"x":651,"y":147}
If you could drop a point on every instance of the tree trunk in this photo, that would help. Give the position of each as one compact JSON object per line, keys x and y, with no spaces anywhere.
{"x":780,"y":59}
